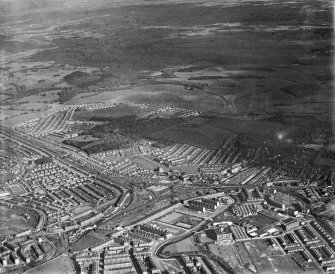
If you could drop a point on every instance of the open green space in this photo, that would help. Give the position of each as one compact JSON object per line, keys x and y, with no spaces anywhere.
{"x":185,"y":245}
{"x":281,"y":265}
{"x":86,"y":241}
{"x":59,"y":265}
{"x":13,"y":221}
{"x":259,"y":220}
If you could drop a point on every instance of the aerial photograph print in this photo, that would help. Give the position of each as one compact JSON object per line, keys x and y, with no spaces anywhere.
{"x":167,"y":136}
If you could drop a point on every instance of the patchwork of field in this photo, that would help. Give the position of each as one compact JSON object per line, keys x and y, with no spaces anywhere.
{"x":220,"y":58}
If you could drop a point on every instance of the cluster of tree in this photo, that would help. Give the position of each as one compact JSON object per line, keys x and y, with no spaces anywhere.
{"x":131,"y":126}
{"x":162,"y":144}
{"x":67,"y":94}
{"x":106,"y":142}
{"x":76,"y":144}
{"x":106,"y":146}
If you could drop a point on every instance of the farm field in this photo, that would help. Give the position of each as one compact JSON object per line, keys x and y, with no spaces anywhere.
{"x":231,"y":63}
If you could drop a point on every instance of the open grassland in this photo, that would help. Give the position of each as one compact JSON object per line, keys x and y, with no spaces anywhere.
{"x":13,"y":221}
{"x":170,"y":228}
{"x":87,"y":241}
{"x":268,"y":261}
{"x":182,"y":246}
{"x":59,"y":265}
{"x":171,"y":217}
{"x":281,"y":265}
